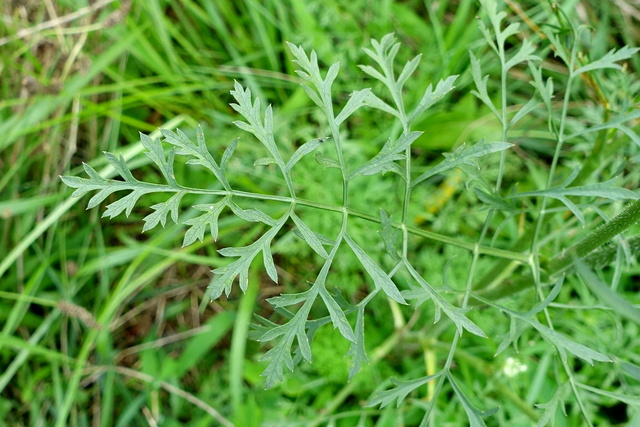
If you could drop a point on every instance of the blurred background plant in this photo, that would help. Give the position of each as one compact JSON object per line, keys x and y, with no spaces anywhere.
{"x":119,"y":311}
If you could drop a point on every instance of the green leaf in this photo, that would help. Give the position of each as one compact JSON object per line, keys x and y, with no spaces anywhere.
{"x":630,"y":369}
{"x":309,"y":236}
{"x":332,"y":73}
{"x":463,"y":156}
{"x":525,"y":53}
{"x":408,"y":69}
{"x":285,"y":300}
{"x":551,"y":407}
{"x":609,"y":60}
{"x":356,"y":100}
{"x":303,"y":150}
{"x":544,"y":89}
{"x":325,"y":161}
{"x":325,"y":241}
{"x":156,"y":153}
{"x":380,"y":278}
{"x":338,"y":317}
{"x":310,"y":65}
{"x":457,"y":315}
{"x":209,"y":219}
{"x":252,"y":215}
{"x":357,"y":351}
{"x":228,"y":152}
{"x":100,"y":196}
{"x":481,"y":86}
{"x":311,"y":73}
{"x":372,"y":71}
{"x":548,"y":300}
{"x":515,"y":331}
{"x":313,"y":96}
{"x":399,"y":392}
{"x":121,"y":167}
{"x":224,"y":276}
{"x":161,"y":210}
{"x":126,"y":204}
{"x":474,"y":415}
{"x":389,"y":235}
{"x":527,"y":108}
{"x":375,"y":102}
{"x":265,"y":161}
{"x":615,"y":123}
{"x":631,"y":400}
{"x":199,"y":152}
{"x":564,"y":344}
{"x":280,"y":355}
{"x":607,"y":295}
{"x":493,"y":200}
{"x":262,"y":130}
{"x":391,"y":152}
{"x":431,"y":96}
{"x":267,"y":259}
{"x":602,"y":189}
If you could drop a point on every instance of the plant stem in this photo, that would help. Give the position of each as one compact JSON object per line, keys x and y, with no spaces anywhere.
{"x":593,"y":241}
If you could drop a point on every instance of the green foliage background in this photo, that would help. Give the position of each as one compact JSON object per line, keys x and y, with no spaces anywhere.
{"x":122,"y":313}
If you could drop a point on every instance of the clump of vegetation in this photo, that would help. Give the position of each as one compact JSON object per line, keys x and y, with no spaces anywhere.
{"x":478,"y":276}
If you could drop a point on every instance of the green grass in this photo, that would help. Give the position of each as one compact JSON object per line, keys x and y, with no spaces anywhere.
{"x":104,"y":325}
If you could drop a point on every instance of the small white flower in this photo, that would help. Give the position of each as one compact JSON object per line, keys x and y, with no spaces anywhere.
{"x":513,"y":367}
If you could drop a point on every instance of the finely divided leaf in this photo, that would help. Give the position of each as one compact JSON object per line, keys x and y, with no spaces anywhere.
{"x":265,"y":161}
{"x":338,"y":317}
{"x":228,"y":152}
{"x":252,"y":215}
{"x":389,"y":235}
{"x":632,"y":400}
{"x":564,"y":344}
{"x":609,"y":60}
{"x":531,"y":105}
{"x":267,"y":259}
{"x":463,"y":156}
{"x":199,"y":152}
{"x":474,"y":414}
{"x":252,"y":113}
{"x":309,"y":236}
{"x":125,"y":204}
{"x":356,"y":100}
{"x":481,"y":86}
{"x":602,"y":189}
{"x":391,"y":152}
{"x":457,"y":315}
{"x":380,"y":278}
{"x":606,"y":294}
{"x":285,"y":300}
{"x":615,"y":123}
{"x":524,"y":54}
{"x":303,"y":150}
{"x":400,"y":391}
{"x":311,"y":73}
{"x":325,"y":161}
{"x":551,"y":407}
{"x":209,"y":219}
{"x":407,"y":70}
{"x":156,"y":153}
{"x":224,"y":276}
{"x":431,"y":96}
{"x":280,"y":355}
{"x":375,"y":102}
{"x":161,"y":210}
{"x":357,"y":351}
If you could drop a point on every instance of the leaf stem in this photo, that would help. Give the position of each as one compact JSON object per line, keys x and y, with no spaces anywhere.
{"x":486,"y":250}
